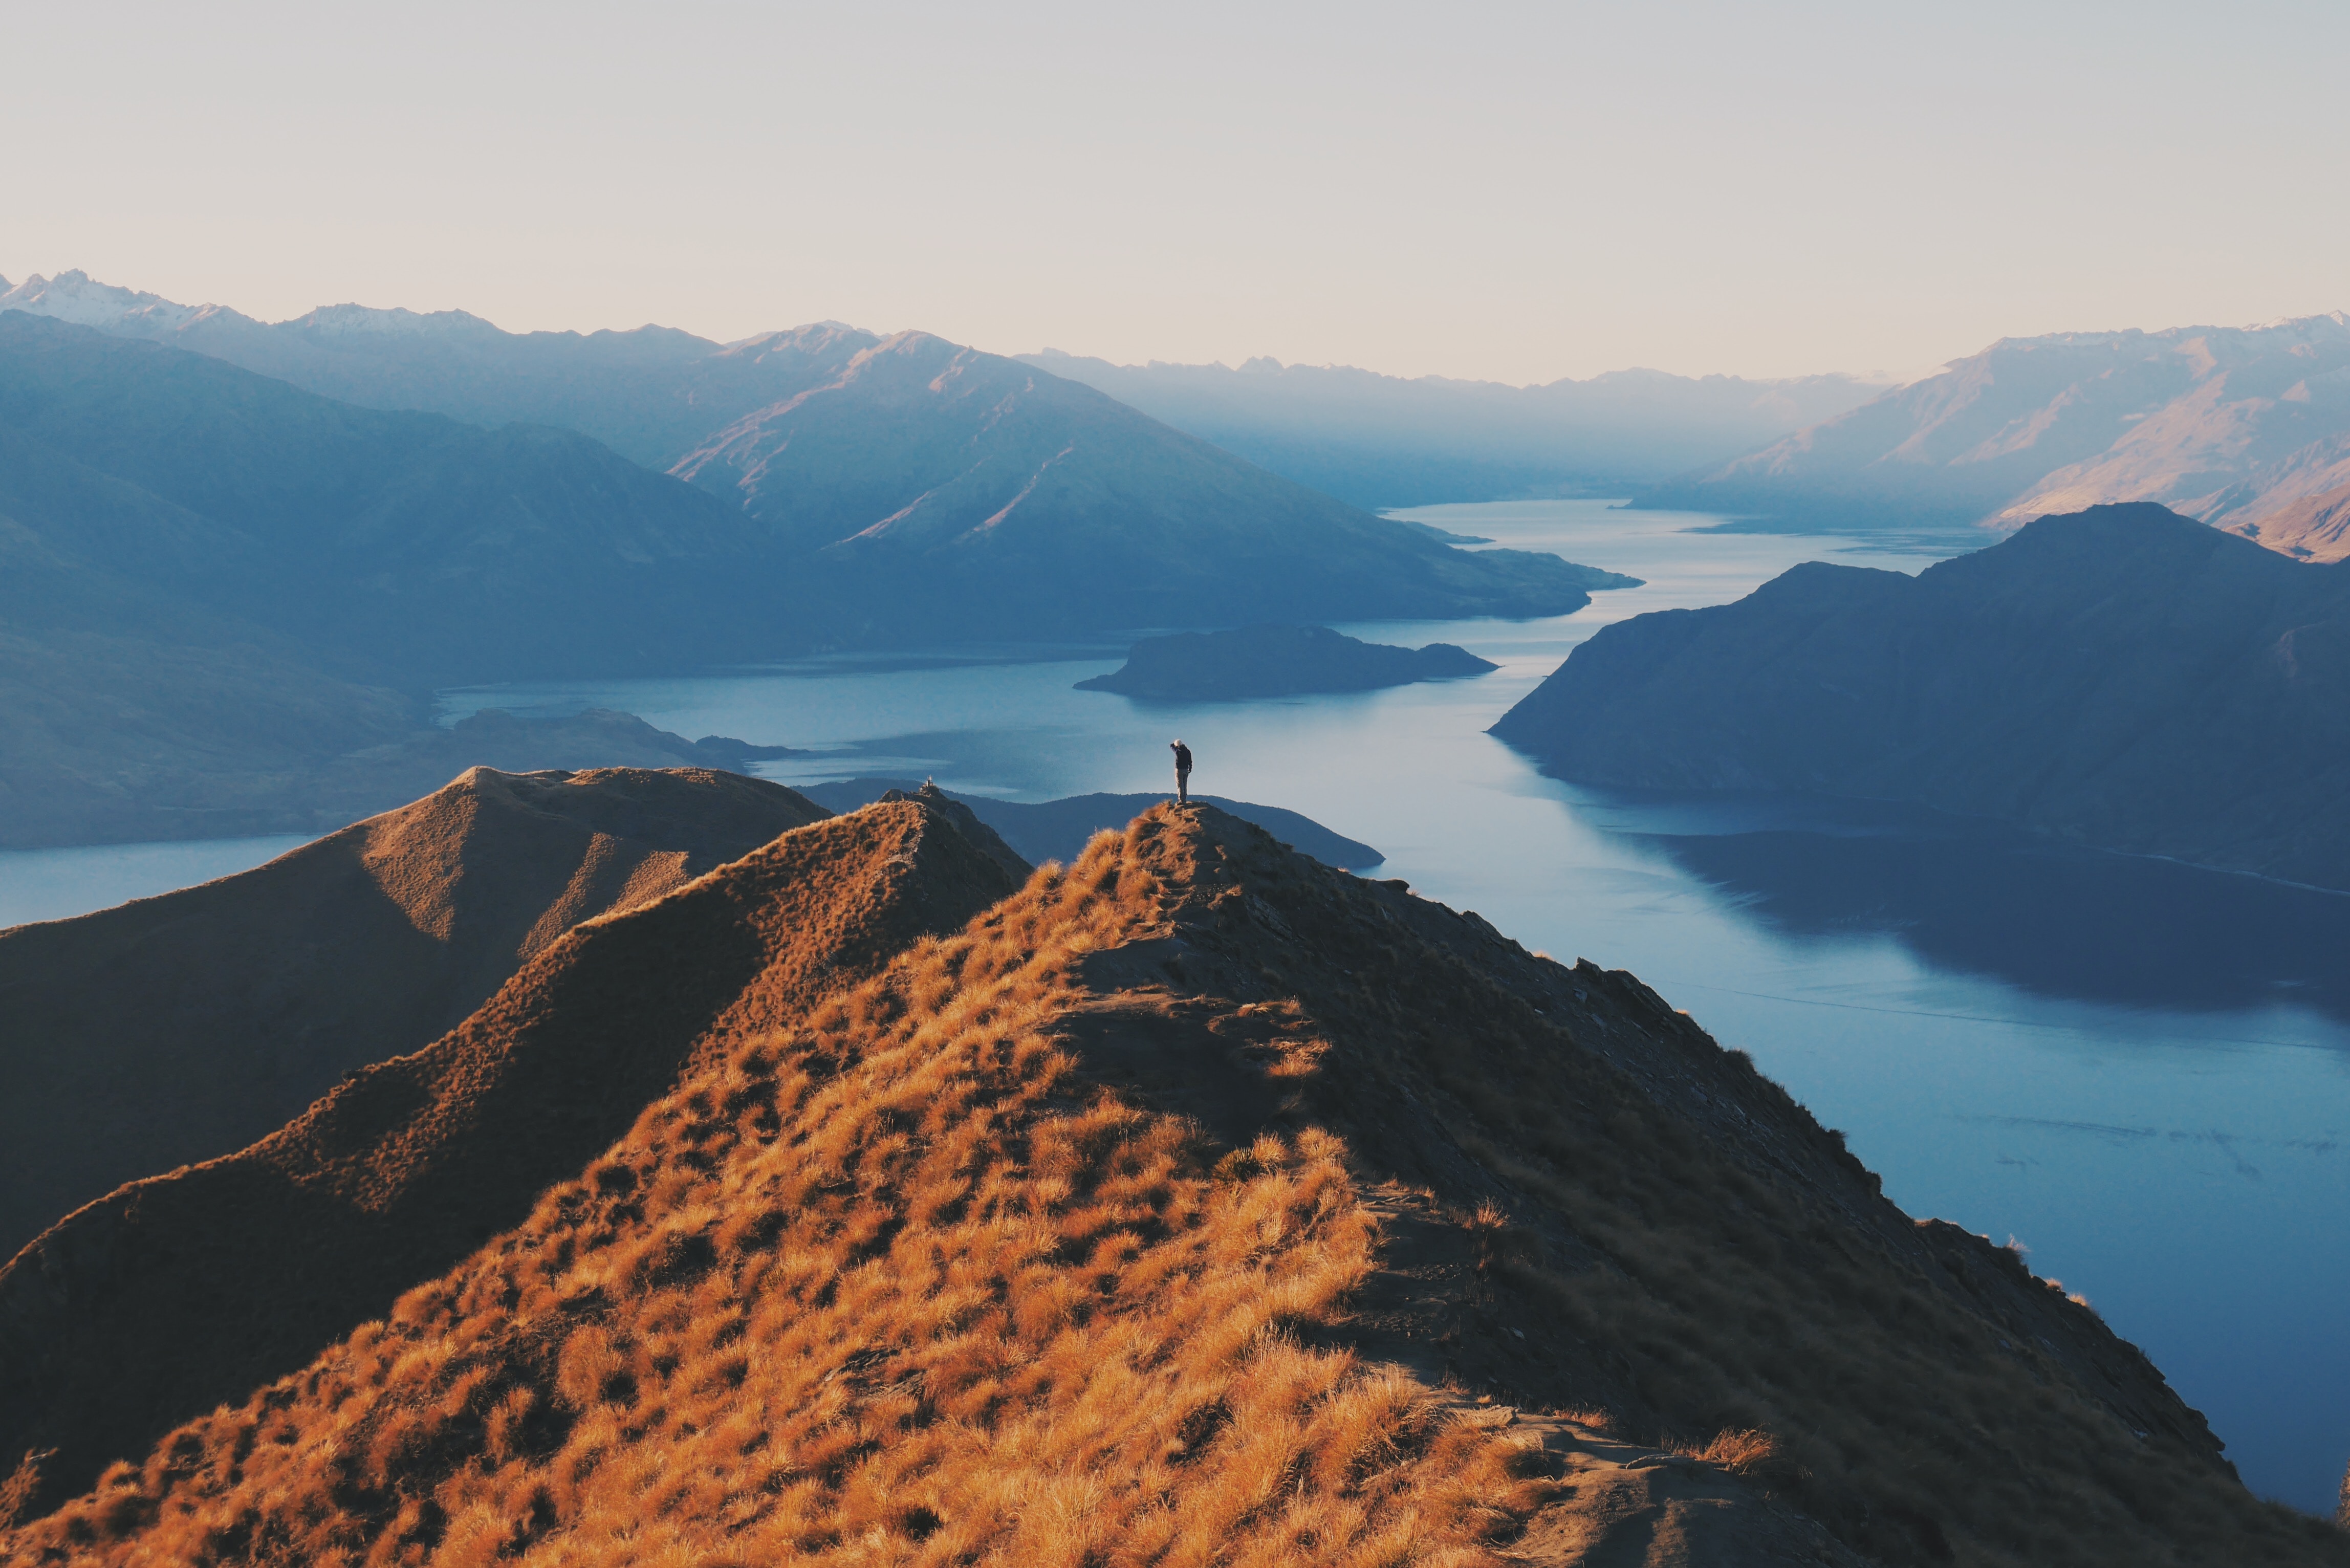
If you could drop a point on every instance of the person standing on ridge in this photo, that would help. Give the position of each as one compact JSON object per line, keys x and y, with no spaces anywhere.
{"x":1182,"y":771}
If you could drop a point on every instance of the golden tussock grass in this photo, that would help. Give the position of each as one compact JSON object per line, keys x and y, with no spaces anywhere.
{"x":897,"y":1287}
{"x":907,"y":1284}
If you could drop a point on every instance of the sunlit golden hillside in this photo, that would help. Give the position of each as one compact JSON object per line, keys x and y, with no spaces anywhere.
{"x":1193,"y":1204}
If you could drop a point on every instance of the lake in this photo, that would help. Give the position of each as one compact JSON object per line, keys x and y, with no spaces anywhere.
{"x":2134,"y":1069}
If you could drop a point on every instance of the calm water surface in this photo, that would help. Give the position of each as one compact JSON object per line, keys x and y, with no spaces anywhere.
{"x":51,"y":884}
{"x":2134,"y":1069}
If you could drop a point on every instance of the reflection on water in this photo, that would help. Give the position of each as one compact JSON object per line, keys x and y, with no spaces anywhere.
{"x":2138,"y":1070}
{"x":2054,"y":919}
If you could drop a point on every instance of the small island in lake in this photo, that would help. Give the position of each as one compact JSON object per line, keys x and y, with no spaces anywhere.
{"x":1275,"y":662}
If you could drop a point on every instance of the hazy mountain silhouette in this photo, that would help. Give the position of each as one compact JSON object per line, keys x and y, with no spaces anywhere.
{"x":655,"y":394}
{"x":990,"y":497}
{"x":216,"y":583}
{"x":2247,"y":429}
{"x":1195,"y":1201}
{"x":651,"y":394}
{"x":1390,"y":441}
{"x":921,"y":491}
{"x":2122,"y":677}
{"x":396,"y":547}
{"x":185,"y":1026}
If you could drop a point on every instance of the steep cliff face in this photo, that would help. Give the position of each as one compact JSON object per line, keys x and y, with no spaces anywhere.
{"x":184,"y":1027}
{"x":1194,"y":1203}
{"x":2123,"y":677}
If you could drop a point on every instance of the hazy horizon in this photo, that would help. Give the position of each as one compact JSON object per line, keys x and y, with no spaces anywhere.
{"x":1516,"y":195}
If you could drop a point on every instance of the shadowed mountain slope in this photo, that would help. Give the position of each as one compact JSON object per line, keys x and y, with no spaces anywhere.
{"x":2248,"y":429}
{"x":2122,"y":677}
{"x":991,"y":496}
{"x":124,"y":679}
{"x":1201,"y":1204}
{"x":378,"y":541}
{"x":184,"y":1027}
{"x":174,"y":1294}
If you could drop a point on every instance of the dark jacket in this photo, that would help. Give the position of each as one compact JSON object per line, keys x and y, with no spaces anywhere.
{"x":1182,"y":758}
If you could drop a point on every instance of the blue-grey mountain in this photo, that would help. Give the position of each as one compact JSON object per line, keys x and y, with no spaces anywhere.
{"x":1391,"y":440}
{"x":2122,"y":677}
{"x":2247,"y":429}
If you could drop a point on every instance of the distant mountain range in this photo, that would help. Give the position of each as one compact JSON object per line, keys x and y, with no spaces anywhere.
{"x":2121,"y":677}
{"x":655,"y":395}
{"x":651,"y":395}
{"x":875,"y":489}
{"x":944,"y":491}
{"x":1390,"y":441}
{"x":2244,"y":428}
{"x":209,"y":569}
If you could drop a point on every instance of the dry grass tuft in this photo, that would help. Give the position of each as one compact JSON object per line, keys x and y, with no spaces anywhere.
{"x":1747,"y":1452}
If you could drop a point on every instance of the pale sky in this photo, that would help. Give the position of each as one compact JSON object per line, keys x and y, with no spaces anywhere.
{"x":1517,"y":193}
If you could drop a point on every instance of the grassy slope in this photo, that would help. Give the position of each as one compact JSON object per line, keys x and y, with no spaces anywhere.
{"x":1161,"y":1214}
{"x":192,"y":1023}
{"x":153,"y":1303}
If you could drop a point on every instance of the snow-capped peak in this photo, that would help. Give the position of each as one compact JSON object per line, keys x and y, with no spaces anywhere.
{"x":366,"y":321}
{"x":77,"y":297}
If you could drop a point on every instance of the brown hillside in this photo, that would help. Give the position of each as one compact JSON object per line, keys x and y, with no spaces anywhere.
{"x":1199,"y":1204}
{"x":170,"y":1295}
{"x":174,"y":1029}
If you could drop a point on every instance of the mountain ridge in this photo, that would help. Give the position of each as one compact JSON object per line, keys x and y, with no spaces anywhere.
{"x":409,"y":1163}
{"x":203,"y":1018}
{"x":1325,"y":1219}
{"x":2247,"y":429}
{"x":254,"y":584}
{"x":1382,"y":440}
